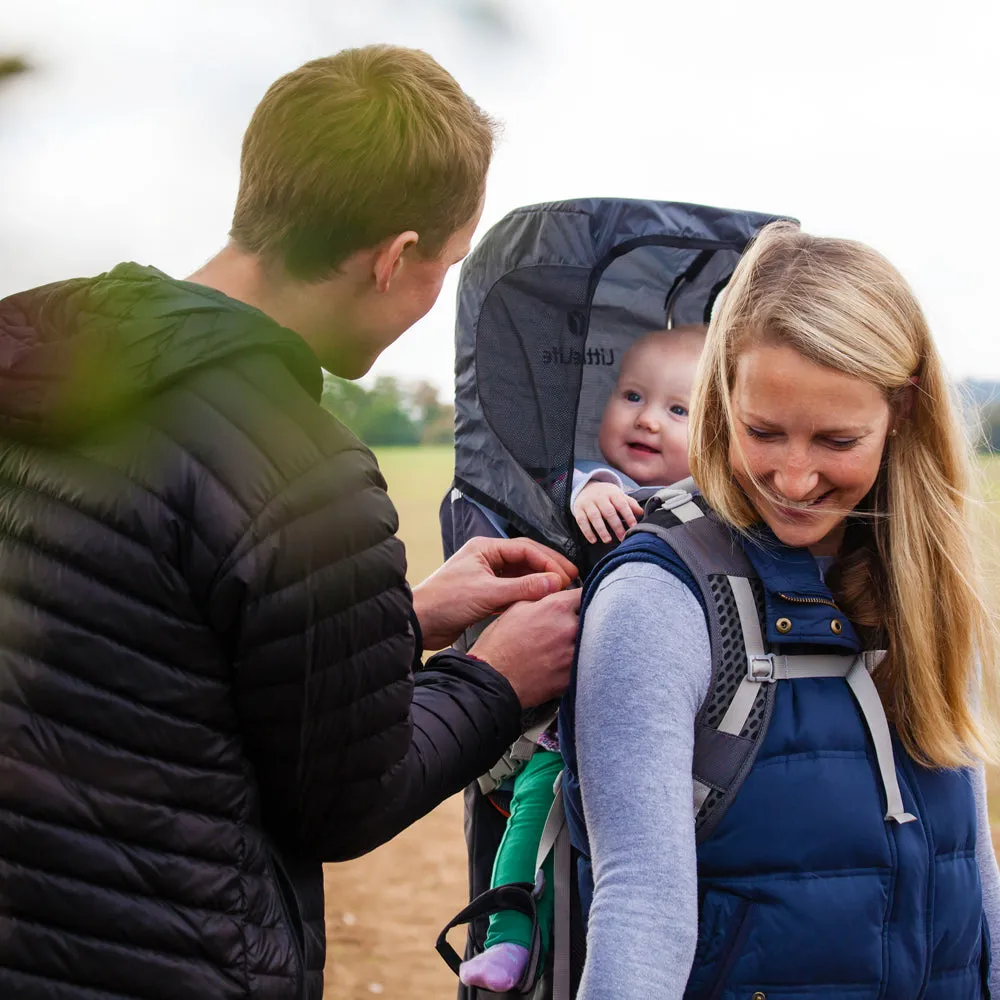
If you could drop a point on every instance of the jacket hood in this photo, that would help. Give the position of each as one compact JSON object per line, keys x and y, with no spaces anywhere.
{"x":78,"y":353}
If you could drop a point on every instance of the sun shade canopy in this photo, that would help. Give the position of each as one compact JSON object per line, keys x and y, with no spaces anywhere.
{"x":548,"y":302}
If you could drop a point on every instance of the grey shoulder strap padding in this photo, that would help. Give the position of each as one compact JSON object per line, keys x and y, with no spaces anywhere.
{"x":723,"y":754}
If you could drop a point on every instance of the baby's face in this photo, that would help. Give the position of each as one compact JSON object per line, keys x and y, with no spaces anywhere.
{"x":644,"y":431}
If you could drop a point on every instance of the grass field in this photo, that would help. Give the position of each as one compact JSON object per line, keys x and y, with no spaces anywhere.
{"x":418,"y":479}
{"x":384,"y":910}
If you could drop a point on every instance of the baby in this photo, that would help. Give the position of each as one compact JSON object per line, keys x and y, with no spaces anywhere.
{"x":643,"y":435}
{"x":643,"y":439}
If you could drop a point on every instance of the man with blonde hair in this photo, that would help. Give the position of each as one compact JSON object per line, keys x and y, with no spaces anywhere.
{"x":210,"y":653}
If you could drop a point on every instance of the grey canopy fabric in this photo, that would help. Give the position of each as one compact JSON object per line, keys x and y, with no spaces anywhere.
{"x":548,"y":302}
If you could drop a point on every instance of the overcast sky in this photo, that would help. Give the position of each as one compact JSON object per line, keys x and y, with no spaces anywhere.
{"x":864,"y":119}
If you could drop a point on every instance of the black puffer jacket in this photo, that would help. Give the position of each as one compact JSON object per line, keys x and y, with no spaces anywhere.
{"x":205,"y":651}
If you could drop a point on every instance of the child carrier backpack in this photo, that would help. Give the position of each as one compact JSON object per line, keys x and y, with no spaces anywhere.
{"x":548,"y":302}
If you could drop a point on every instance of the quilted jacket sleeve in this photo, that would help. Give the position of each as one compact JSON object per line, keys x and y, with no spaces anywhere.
{"x":348,"y":746}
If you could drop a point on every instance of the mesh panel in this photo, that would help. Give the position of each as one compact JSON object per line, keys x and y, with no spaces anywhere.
{"x":539,"y":373}
{"x":692,"y":299}
{"x":529,"y":357}
{"x":628,"y":302}
{"x":714,"y":798}
{"x":732,"y":667}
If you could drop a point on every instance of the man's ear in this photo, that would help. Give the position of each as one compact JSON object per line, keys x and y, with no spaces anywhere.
{"x":389,"y":256}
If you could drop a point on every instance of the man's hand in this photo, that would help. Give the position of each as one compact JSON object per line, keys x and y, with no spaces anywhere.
{"x":600,"y":506}
{"x":532,"y":645}
{"x":482,"y":578}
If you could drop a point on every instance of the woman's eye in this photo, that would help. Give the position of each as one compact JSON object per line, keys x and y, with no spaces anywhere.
{"x":841,"y":444}
{"x":679,"y":411}
{"x":633,"y":397}
{"x":761,"y":435}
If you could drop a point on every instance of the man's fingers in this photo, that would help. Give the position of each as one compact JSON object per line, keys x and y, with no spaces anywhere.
{"x":637,"y":508}
{"x":569,"y":599}
{"x":533,"y":587}
{"x":519,"y":556}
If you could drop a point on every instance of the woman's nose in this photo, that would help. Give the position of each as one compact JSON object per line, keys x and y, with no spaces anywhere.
{"x":795,"y":481}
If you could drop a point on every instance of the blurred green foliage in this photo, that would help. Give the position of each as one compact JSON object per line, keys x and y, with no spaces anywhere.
{"x":12,"y":66}
{"x":391,"y":412}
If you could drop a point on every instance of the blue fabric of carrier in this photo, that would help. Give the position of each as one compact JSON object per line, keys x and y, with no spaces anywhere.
{"x":805,"y":891}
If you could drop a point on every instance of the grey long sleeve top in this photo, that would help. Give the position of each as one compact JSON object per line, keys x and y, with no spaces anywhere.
{"x":635,"y":743}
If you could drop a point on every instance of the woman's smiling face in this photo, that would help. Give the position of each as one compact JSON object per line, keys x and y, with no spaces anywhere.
{"x":813,"y":438}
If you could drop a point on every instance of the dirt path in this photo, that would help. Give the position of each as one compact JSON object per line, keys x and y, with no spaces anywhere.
{"x":384,"y":912}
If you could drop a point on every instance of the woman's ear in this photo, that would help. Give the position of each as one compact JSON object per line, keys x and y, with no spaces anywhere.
{"x":904,"y":403}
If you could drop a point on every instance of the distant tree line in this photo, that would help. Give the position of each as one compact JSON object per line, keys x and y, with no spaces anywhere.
{"x":981,"y":403}
{"x":395,"y":412}
{"x":989,"y":421}
{"x":391,"y":412}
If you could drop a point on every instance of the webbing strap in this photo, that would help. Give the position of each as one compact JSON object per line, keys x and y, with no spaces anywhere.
{"x":678,"y":500}
{"x":746,"y":608}
{"x":523,"y":749}
{"x":687,"y":511}
{"x":866,"y":694}
{"x":510,"y":763}
{"x":527,"y":743}
{"x":792,"y":668}
{"x":753,"y":641}
{"x":554,"y":823}
{"x":701,"y":793}
{"x":555,"y":840}
{"x":498,"y":774}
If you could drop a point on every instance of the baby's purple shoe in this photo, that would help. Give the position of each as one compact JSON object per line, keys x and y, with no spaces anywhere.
{"x":497,"y":969}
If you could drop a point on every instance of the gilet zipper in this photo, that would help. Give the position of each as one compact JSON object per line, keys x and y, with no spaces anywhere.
{"x":808,"y":600}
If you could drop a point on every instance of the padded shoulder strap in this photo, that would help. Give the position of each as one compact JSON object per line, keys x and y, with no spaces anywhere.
{"x":733,"y":719}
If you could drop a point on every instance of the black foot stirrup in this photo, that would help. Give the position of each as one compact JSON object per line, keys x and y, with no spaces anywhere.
{"x":519,"y":896}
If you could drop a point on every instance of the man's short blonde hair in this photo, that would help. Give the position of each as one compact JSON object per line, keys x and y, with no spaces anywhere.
{"x":348,"y":150}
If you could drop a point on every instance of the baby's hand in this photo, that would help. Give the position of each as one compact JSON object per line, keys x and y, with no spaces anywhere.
{"x":600,"y":506}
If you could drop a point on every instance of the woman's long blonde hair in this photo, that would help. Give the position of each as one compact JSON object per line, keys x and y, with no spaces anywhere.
{"x":907,"y":570}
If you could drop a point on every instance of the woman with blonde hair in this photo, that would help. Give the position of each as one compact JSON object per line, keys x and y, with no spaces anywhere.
{"x":851,"y":856}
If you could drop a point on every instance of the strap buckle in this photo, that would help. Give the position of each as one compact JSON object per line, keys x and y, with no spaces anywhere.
{"x":504,"y":768}
{"x":671,"y":497}
{"x":760,"y":668}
